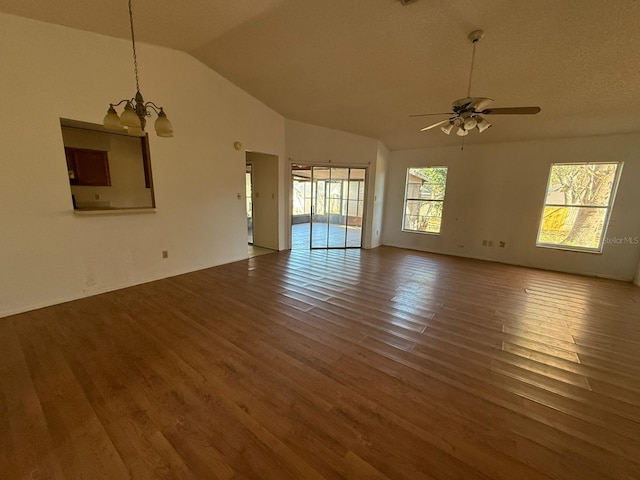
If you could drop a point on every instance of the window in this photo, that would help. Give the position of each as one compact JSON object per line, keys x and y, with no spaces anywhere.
{"x":301,"y":196}
{"x":424,"y":198}
{"x":577,"y":205}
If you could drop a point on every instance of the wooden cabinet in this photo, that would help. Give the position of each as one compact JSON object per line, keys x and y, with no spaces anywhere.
{"x":88,"y":167}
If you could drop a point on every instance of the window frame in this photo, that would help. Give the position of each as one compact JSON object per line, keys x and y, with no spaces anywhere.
{"x":608,"y":209}
{"x":406,"y":199}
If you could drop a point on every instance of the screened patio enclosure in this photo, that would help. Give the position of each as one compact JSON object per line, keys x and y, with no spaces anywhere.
{"x":328,"y":207}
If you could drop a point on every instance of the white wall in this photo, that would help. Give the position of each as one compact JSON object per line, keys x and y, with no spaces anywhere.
{"x":48,"y":254}
{"x":312,"y":145}
{"x":496,"y":192}
{"x":377,"y":207}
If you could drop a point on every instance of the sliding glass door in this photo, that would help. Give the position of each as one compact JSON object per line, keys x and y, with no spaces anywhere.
{"x":335,"y":206}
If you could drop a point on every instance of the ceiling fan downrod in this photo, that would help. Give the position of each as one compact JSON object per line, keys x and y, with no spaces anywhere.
{"x":474,"y":38}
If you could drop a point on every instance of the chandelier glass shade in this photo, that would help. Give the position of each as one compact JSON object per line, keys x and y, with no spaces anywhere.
{"x":136,"y":110}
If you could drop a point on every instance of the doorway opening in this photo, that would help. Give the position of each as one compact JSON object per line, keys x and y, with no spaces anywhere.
{"x":328,"y":207}
{"x":261,"y":183}
{"x":249,"y":197}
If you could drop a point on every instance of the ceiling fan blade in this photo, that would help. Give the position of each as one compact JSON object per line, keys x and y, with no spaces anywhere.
{"x":477,"y":103}
{"x":480,"y":103}
{"x":427,"y":114}
{"x":461,"y":104}
{"x":435,"y":125}
{"x":511,"y":111}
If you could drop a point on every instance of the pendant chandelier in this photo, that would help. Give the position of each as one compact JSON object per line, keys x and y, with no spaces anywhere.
{"x":136,"y":110}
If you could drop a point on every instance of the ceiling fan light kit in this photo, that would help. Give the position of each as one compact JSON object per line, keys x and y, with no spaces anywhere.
{"x":470,"y":122}
{"x":466,"y":114}
{"x":448,"y":127}
{"x":482,"y":124}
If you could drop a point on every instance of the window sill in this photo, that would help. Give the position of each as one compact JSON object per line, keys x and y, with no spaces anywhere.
{"x":567,"y":248}
{"x":420,"y":232}
{"x":113,"y":211}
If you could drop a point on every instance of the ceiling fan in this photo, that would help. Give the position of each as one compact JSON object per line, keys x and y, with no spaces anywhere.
{"x":467,"y":112}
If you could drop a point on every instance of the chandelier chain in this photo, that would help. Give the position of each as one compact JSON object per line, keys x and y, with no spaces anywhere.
{"x":133,"y":43}
{"x":136,"y":110}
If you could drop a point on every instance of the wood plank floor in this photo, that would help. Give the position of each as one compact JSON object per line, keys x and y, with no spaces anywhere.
{"x":372,"y":364}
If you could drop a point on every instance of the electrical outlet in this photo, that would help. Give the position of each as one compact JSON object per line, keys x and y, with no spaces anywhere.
{"x":165,"y":253}
{"x":490,"y":243}
{"x":503,"y":244}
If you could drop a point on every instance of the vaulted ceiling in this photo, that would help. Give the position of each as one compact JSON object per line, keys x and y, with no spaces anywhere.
{"x":363,"y":66}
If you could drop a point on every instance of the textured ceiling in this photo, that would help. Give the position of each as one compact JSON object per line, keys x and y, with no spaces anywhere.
{"x":363,"y":66}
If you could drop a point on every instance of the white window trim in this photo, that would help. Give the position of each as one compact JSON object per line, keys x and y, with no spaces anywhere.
{"x":609,"y":208}
{"x":404,"y":204}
